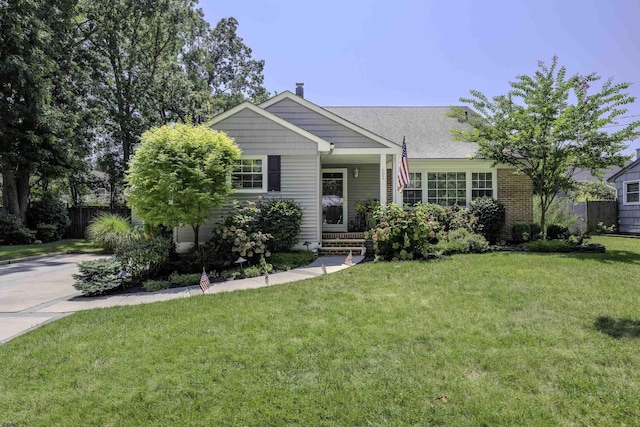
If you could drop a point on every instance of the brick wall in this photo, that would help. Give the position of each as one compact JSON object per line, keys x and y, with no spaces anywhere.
{"x":516,"y":192}
{"x":389,"y":187}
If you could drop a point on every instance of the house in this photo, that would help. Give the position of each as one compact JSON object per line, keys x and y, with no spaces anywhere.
{"x":627,"y":184}
{"x":330,"y":158}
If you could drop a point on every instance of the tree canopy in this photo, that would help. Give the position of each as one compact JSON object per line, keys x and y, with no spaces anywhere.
{"x":179,"y":173}
{"x":548,"y":125}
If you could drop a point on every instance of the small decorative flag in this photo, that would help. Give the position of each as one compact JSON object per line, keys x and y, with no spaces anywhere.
{"x":204,"y":281}
{"x":349,"y":259}
{"x":403,"y":168}
{"x":324,"y":267}
{"x":363,"y":252}
{"x":266,"y":276}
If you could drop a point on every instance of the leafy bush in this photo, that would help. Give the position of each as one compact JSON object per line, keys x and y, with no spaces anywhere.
{"x":49,"y":217}
{"x":13,"y":231}
{"x":559,"y":212}
{"x":251,"y":271}
{"x":601,"y":228}
{"x":109,"y":231}
{"x":184,"y":280}
{"x":98,"y":276}
{"x":140,"y":257}
{"x":458,"y":217}
{"x":491,"y":215}
{"x":547,"y":246}
{"x":521,"y":232}
{"x":469,"y":242}
{"x":401,"y":234}
{"x":281,"y":218}
{"x":233,"y":242}
{"x":288,"y":260}
{"x":536,"y":231}
{"x":155,"y":285}
{"x":443,"y":247}
{"x":557,"y":231}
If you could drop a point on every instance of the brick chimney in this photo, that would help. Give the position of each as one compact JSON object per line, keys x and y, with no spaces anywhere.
{"x":300,"y":89}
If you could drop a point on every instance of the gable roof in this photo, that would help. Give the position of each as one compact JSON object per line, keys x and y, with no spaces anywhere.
{"x":386,"y":142}
{"x":629,"y":166}
{"x":322,"y":144}
{"x":427,"y":129}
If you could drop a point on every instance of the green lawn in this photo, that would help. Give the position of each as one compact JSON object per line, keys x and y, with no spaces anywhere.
{"x":493,"y":339}
{"x":67,"y":246}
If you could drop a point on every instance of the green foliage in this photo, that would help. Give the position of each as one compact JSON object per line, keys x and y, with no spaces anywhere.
{"x":548,"y":125}
{"x":443,"y":247}
{"x":592,"y":191}
{"x":98,"y":276}
{"x":559,"y":212}
{"x":143,"y":257}
{"x":536,"y":231}
{"x":110,"y":231}
{"x":284,"y":261}
{"x":491,"y":215}
{"x":281,"y":218}
{"x":179,"y":173}
{"x":155,"y":285}
{"x":49,"y":217}
{"x":366,"y":211}
{"x":547,"y":246}
{"x":13,"y":231}
{"x":401,"y":234}
{"x":232,"y":242}
{"x":557,"y":231}
{"x":247,"y":272}
{"x":185,"y":280}
{"x":521,"y":232}
{"x":601,"y":228}
{"x":469,"y":242}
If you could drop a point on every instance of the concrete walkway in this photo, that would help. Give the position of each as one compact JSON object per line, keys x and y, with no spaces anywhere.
{"x":37,"y":291}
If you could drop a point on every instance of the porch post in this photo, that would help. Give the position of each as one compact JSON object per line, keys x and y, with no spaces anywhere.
{"x":383,"y":179}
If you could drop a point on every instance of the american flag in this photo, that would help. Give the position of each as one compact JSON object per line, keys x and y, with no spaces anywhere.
{"x":204,"y":281}
{"x":403,"y":168}
{"x":266,"y":276}
{"x":324,"y":268}
{"x":349,"y":260}
{"x":363,"y":251}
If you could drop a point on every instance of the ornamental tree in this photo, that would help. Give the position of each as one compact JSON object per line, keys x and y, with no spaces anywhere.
{"x":548,"y":126}
{"x":179,"y":173}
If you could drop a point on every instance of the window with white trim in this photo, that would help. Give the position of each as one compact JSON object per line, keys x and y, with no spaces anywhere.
{"x":250,"y":175}
{"x":631,"y":191}
{"x":481,"y":185}
{"x":412,"y":193}
{"x":447,"y":188}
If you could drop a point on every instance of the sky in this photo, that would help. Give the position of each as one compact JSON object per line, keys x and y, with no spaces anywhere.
{"x":432,"y":52}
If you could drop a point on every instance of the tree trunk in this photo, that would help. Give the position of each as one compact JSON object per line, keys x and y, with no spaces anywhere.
{"x":15,"y":191}
{"x":196,"y":231}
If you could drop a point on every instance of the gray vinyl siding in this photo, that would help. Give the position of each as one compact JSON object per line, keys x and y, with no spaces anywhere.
{"x":299,"y":181}
{"x":366,"y":185}
{"x":628,"y":215}
{"x":321,"y":126}
{"x":257,"y":135}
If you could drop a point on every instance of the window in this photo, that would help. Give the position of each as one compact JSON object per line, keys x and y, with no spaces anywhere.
{"x":249,"y":175}
{"x":481,"y":185}
{"x":412,"y":192}
{"x":447,"y":188}
{"x":631,"y":192}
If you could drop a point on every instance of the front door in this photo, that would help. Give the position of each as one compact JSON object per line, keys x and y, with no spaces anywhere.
{"x":334,"y":200}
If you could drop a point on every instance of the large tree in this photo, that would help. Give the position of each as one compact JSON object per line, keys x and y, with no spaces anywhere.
{"x":548,"y":125}
{"x":179,"y":173}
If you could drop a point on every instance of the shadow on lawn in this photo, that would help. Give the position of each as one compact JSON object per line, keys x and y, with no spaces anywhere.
{"x":618,"y":328}
{"x":626,"y":257}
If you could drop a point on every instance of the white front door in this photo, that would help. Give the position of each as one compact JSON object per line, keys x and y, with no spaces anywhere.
{"x":334,"y":200}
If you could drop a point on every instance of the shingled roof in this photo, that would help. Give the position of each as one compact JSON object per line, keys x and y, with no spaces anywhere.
{"x":427,"y":129}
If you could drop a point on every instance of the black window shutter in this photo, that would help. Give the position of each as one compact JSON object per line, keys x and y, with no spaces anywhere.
{"x":273,"y":173}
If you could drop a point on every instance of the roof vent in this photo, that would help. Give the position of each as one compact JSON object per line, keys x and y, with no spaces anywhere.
{"x":300,"y":89}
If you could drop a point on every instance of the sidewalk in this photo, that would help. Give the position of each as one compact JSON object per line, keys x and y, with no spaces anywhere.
{"x":37,"y":291}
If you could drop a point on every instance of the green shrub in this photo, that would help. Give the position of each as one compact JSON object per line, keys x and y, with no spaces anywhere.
{"x":557,"y":231}
{"x":13,"y":231}
{"x":521,"y":232}
{"x":281,"y":218}
{"x":469,"y":242}
{"x":98,"y":276}
{"x":443,"y":247}
{"x":547,"y":246}
{"x":401,"y":234}
{"x":142,"y":257}
{"x":109,"y":231}
{"x":49,"y":217}
{"x":284,"y":261}
{"x":184,"y":280}
{"x":559,"y":212}
{"x":232,"y":242}
{"x":458,"y":217}
{"x":155,"y":285}
{"x":536,"y":231}
{"x":491,"y":215}
{"x":257,"y":270}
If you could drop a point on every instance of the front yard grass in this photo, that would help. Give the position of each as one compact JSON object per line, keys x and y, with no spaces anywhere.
{"x":492,"y":339}
{"x":67,"y":246}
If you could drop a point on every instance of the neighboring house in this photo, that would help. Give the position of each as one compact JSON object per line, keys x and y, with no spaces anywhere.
{"x":330,"y":158}
{"x":627,"y":183}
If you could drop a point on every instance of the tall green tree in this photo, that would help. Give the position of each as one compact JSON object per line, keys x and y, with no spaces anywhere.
{"x":179,"y":173}
{"x":548,"y":125}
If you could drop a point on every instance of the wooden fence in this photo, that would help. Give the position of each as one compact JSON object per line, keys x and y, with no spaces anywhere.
{"x":590,"y":214}
{"x":81,"y":216}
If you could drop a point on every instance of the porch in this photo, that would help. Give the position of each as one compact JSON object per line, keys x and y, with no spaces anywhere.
{"x":342,"y":243}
